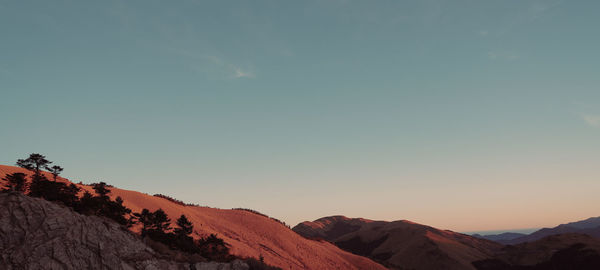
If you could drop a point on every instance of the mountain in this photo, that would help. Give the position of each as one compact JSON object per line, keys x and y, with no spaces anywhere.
{"x":38,"y":234}
{"x":590,"y":223}
{"x":590,"y":226}
{"x":248,"y":234}
{"x":563,"y":251}
{"x":400,"y":244}
{"x":507,"y":236}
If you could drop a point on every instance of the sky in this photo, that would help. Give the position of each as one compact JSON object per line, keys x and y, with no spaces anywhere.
{"x":464,"y":115}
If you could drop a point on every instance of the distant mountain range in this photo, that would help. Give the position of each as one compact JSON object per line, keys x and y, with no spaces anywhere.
{"x":500,"y":238}
{"x":590,"y":226}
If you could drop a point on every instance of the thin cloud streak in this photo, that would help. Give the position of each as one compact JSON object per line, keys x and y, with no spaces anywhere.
{"x":235,"y":71}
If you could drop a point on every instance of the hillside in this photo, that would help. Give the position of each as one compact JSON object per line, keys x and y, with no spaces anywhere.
{"x":400,"y":244}
{"x":38,"y":234}
{"x":249,"y":234}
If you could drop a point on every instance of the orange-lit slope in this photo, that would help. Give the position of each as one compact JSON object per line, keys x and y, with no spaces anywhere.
{"x":249,"y":234}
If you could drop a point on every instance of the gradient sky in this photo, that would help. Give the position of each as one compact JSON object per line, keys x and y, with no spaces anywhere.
{"x":464,"y":115}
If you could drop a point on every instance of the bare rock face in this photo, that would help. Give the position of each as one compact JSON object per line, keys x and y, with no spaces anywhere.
{"x":37,"y":234}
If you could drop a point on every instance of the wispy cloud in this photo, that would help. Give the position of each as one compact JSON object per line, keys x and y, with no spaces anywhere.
{"x":592,"y":120}
{"x":239,"y":73}
{"x":232,"y":71}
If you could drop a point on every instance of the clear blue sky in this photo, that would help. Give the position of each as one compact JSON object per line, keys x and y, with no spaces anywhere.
{"x":465,"y":115}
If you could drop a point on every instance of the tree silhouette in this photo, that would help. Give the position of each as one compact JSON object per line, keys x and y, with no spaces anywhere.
{"x":41,"y":187}
{"x":156,"y":221}
{"x":53,"y":191}
{"x":34,"y":162}
{"x":101,"y":190}
{"x":182,"y":239}
{"x":116,"y":211}
{"x":145,"y":218}
{"x":156,"y":226}
{"x":184,"y":226}
{"x":102,"y":205}
{"x":68,"y":193}
{"x":16,"y":182}
{"x":55,"y":171}
{"x":213,"y":248}
{"x":160,"y":221}
{"x":87,"y":205}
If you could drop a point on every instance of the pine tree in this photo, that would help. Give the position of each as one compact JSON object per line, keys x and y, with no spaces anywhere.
{"x":160,"y":221}
{"x":34,"y":163}
{"x":101,"y":190}
{"x":145,"y":218}
{"x":55,"y":171}
{"x":184,"y":226}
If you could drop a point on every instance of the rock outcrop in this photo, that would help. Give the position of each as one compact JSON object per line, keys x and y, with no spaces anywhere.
{"x":37,"y":234}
